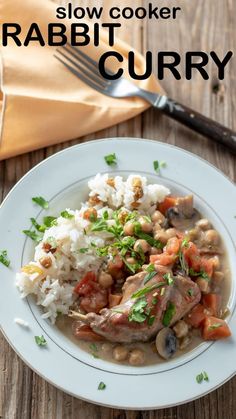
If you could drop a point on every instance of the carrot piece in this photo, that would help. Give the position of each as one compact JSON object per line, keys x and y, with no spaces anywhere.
{"x":115,"y":265}
{"x":196,"y":316}
{"x":212,"y":303}
{"x":114,"y":300}
{"x":173,"y":245}
{"x":86,"y":333}
{"x":86,"y":283}
{"x":169,"y":202}
{"x":215,"y":329}
{"x":207,"y":266}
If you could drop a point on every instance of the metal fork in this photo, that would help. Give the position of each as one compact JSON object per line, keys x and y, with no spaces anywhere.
{"x":86,"y":69}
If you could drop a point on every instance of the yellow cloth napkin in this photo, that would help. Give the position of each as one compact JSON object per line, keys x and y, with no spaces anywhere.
{"x":41,"y":102}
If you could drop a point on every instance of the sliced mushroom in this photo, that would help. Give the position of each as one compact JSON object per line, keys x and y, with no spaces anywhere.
{"x":181,"y":221}
{"x":166,"y":343}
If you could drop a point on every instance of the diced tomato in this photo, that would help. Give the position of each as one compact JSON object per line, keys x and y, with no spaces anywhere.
{"x":212,"y":303}
{"x":163,"y":259}
{"x":214,"y":329}
{"x":207,"y":265}
{"x":169,"y":202}
{"x":86,"y":284}
{"x":173,"y":245}
{"x":192,"y":256}
{"x":196,"y":316}
{"x":84,"y":332}
{"x":114,"y":300}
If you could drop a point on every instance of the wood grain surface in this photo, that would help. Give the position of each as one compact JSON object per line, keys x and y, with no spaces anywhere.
{"x":204,"y":25}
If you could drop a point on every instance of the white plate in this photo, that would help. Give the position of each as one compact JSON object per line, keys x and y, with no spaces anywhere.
{"x":61,"y":179}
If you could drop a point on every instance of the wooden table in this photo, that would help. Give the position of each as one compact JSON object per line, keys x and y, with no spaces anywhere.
{"x":204,"y":25}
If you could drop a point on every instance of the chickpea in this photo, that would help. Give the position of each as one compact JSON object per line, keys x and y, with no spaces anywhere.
{"x":131,"y":260}
{"x":122,"y":216}
{"x":156,"y":227}
{"x":203,"y":224}
{"x":203,"y":285}
{"x":193,"y":234}
{"x":120,"y":353}
{"x":171,"y":232}
{"x":158,"y":217}
{"x":146,"y":226}
{"x":155,"y":251}
{"x":136,"y":357}
{"x":106,"y":348}
{"x":181,"y":329}
{"x":216,"y":262}
{"x":105,"y":280}
{"x":212,"y":237}
{"x":185,"y":342}
{"x":162,"y":236}
{"x":141,"y":244}
{"x":218,"y":277}
{"x":46,"y":262}
{"x":129,"y":229}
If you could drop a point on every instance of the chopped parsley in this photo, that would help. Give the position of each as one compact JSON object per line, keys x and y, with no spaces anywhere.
{"x":141,"y":235}
{"x":202,"y":376}
{"x":201,"y":274}
{"x":101,"y":386}
{"x":84,"y":250}
{"x":168,"y":278}
{"x":215,"y":326}
{"x":149,"y":276}
{"x":49,"y":221}
{"x":39,"y":200}
{"x":40,"y":340}
{"x":111,"y":159}
{"x":190,"y":292}
{"x":169,"y":314}
{"x":4,"y":258}
{"x":151,"y":320}
{"x":158,"y":165}
{"x":33,"y":235}
{"x":183,"y":264}
{"x":137,"y":313}
{"x":150,"y":268}
{"x":146,"y":290}
{"x":66,"y":214}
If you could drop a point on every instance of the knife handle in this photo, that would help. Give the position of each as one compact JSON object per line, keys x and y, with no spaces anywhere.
{"x":198,"y":122}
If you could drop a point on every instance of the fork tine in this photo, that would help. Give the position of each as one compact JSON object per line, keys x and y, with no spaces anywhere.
{"x":89,"y":59}
{"x":90,"y":67}
{"x":101,"y":82}
{"x":81,"y":76}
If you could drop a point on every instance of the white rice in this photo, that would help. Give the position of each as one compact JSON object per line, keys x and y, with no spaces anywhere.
{"x":53,"y":287}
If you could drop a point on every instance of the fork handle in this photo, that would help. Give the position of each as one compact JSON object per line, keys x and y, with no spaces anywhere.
{"x":199,"y":123}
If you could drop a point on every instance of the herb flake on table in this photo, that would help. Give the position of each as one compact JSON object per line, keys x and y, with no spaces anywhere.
{"x":40,"y":340}
{"x":101,"y":386}
{"x":111,"y":159}
{"x":39,"y":200}
{"x":4,"y":258}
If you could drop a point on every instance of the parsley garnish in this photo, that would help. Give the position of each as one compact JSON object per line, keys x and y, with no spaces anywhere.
{"x":66,"y":214}
{"x":146,"y":290}
{"x":39,"y":200}
{"x":101,"y":386}
{"x":99,"y":225}
{"x":158,"y":165}
{"x":4,"y":258}
{"x":111,"y":159}
{"x":190,"y":292}
{"x":49,"y":221}
{"x":151,"y":320}
{"x":168,"y":278}
{"x":137,"y":313}
{"x":214,"y":326}
{"x":33,"y":235}
{"x":182,"y":260}
{"x":150,"y":268}
{"x":84,"y":250}
{"x":201,"y":377}
{"x":169,"y":314}
{"x":40,"y":340}
{"x":149,"y":276}
{"x":201,"y":274}
{"x":141,"y":235}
